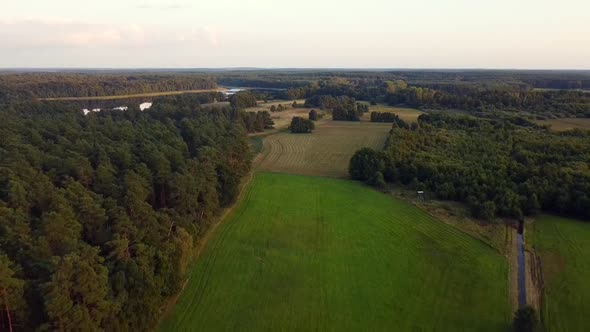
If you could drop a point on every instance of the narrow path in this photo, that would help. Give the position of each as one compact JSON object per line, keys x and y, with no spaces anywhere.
{"x":521,"y":268}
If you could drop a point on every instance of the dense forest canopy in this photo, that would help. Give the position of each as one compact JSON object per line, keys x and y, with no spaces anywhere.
{"x":99,"y":213}
{"x":502,"y":167}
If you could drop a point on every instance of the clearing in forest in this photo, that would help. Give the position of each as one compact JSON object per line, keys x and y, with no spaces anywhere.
{"x":563,"y":246}
{"x":326,"y":151}
{"x":282,"y":119}
{"x":305,"y":253}
{"x":563,"y":124}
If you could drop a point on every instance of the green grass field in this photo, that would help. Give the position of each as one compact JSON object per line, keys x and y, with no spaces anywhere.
{"x":317,"y":254}
{"x":563,"y":245}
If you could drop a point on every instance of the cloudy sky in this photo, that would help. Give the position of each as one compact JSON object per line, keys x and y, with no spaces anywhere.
{"x":302,"y":33}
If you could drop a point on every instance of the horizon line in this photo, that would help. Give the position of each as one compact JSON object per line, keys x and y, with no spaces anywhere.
{"x":295,"y":68}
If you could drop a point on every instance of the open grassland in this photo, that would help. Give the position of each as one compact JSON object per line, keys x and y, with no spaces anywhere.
{"x":326,"y":151}
{"x":317,"y":254}
{"x":406,"y":114}
{"x":563,"y":124}
{"x":564,"y":248}
{"x":137,"y":95}
{"x":282,"y":119}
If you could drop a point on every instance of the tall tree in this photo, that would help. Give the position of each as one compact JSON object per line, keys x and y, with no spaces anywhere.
{"x":11,"y":290}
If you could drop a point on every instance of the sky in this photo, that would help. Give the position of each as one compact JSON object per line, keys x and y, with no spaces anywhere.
{"x":513,"y":34}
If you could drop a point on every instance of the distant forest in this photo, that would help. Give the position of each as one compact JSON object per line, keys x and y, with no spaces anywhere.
{"x":15,"y":87}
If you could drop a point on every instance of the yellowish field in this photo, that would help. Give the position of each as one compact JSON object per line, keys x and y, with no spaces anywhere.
{"x":282,"y":119}
{"x":137,"y":95}
{"x":406,"y":114}
{"x":566,"y":123}
{"x":325,"y":152}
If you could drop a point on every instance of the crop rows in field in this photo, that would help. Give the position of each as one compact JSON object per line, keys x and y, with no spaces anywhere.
{"x":326,"y":151}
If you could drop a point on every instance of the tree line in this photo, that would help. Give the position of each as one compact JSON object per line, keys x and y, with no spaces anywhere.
{"x":537,"y":104}
{"x":27,"y":86}
{"x":99,"y":214}
{"x":301,"y":126}
{"x":388,"y":117}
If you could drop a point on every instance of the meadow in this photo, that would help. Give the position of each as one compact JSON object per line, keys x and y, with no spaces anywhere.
{"x":326,"y":151}
{"x":562,"y":245}
{"x":305,"y":253}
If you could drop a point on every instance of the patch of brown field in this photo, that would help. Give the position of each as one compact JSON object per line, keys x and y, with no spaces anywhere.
{"x":325,"y":152}
{"x":566,"y":123}
{"x":553,"y":265}
{"x":533,"y":279}
{"x":512,"y":254}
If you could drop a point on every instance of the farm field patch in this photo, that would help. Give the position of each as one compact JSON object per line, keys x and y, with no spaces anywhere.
{"x":318,"y":254}
{"x":326,"y":151}
{"x":562,"y":245}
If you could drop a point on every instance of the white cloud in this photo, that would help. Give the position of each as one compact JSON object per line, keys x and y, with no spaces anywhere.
{"x":173,"y":6}
{"x":55,"y":33}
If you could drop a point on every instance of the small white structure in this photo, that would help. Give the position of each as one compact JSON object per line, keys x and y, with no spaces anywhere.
{"x":145,"y":106}
{"x":86,"y":111}
{"x":232,"y":91}
{"x":142,"y":107}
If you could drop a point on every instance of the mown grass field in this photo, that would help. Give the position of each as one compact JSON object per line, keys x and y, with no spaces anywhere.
{"x":326,"y":151}
{"x":564,"y":247}
{"x":317,"y":254}
{"x":563,"y":124}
